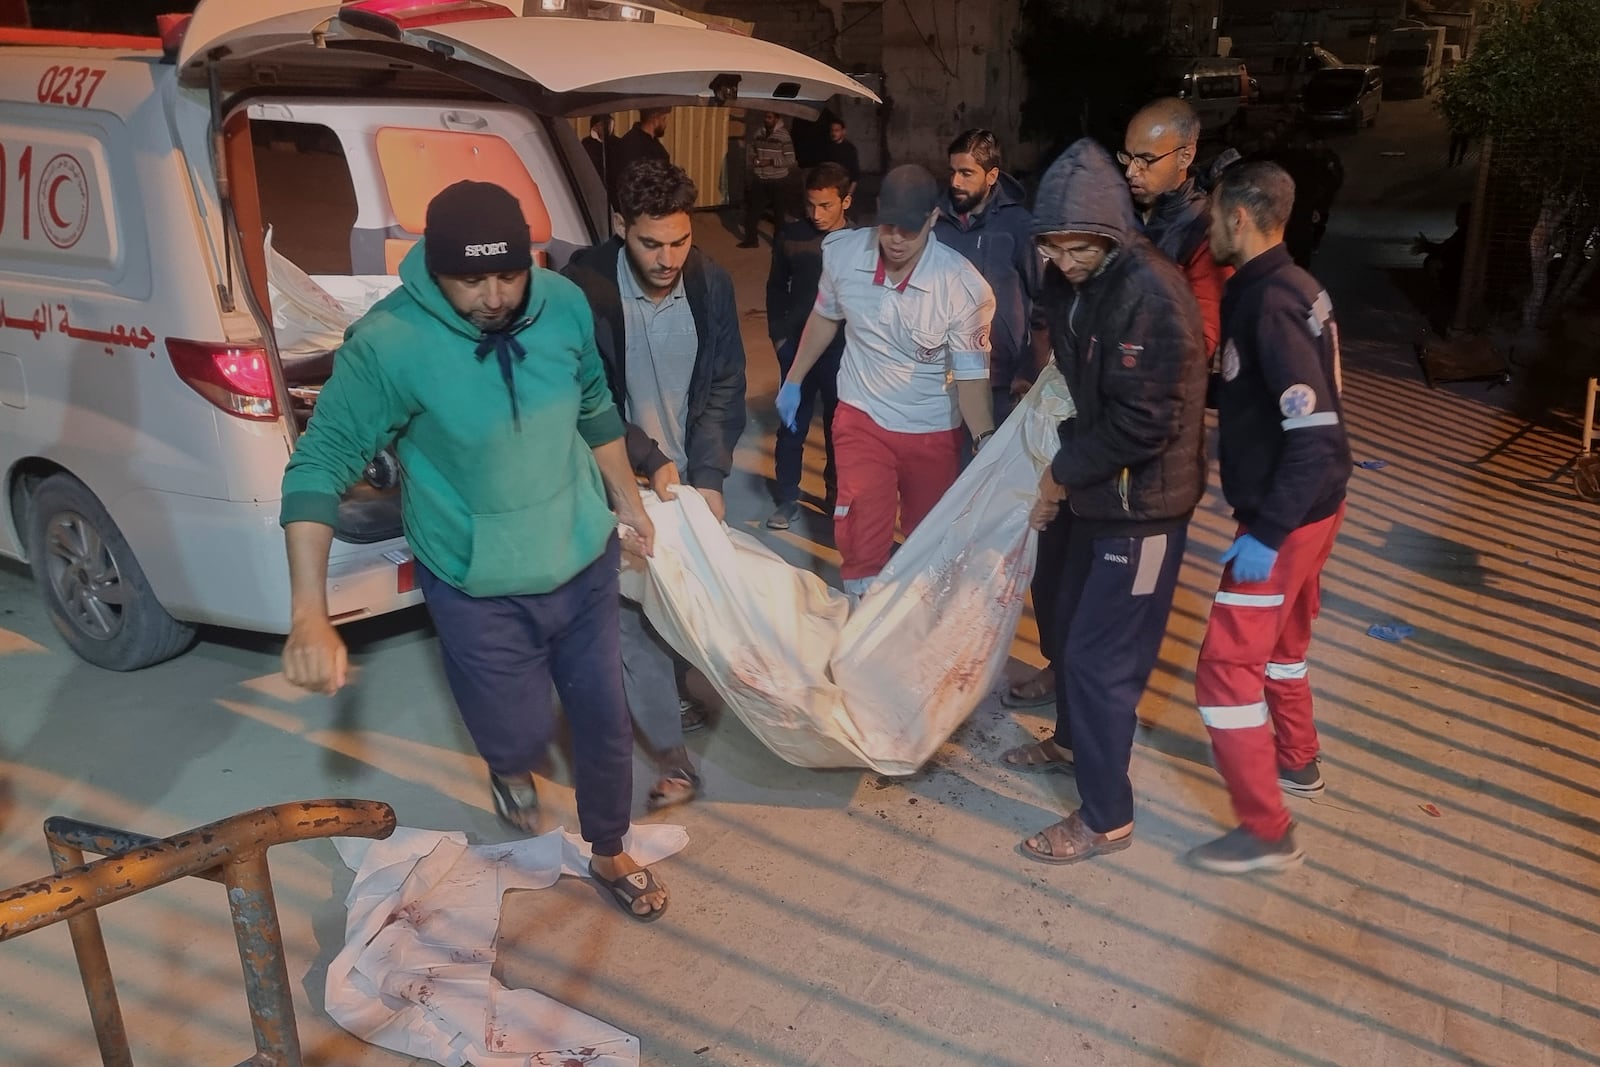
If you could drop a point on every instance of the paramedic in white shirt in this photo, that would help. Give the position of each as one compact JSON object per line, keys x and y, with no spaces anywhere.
{"x":915,"y":367}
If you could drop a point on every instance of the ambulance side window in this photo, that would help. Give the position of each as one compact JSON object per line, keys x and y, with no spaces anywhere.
{"x":307,"y":196}
{"x":58,"y":203}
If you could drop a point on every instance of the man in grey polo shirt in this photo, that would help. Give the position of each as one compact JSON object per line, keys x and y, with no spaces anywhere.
{"x":667,"y":327}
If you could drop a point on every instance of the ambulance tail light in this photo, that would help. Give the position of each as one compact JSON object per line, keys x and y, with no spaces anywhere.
{"x":394,"y":17}
{"x":618,"y":12}
{"x":600,"y":10}
{"x":236,"y":378}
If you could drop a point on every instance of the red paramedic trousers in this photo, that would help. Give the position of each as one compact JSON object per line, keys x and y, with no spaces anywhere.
{"x":882,"y":472}
{"x":1251,"y":682}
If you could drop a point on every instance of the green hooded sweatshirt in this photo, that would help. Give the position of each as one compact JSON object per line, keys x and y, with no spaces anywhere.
{"x":499,"y":498}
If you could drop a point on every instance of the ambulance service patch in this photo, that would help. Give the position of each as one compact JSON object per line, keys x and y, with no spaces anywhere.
{"x":1230,"y":361}
{"x":1298,"y":401}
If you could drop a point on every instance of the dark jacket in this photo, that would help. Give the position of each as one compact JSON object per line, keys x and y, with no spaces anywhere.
{"x":603,"y":154}
{"x":793,"y":278}
{"x":843,"y":153}
{"x":1317,"y":175}
{"x":632,"y":147}
{"x":1179,"y":222}
{"x":1280,"y":420}
{"x":716,"y":386}
{"x":999,"y":241}
{"x":1129,"y":343}
{"x":1180,"y":225}
{"x":792,"y":290}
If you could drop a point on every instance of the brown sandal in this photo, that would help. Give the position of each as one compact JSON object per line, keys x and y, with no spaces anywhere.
{"x":1035,"y":692}
{"x":1034,"y":759}
{"x":1070,"y":841}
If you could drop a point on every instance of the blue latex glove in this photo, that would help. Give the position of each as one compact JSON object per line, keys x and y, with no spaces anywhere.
{"x":789,"y":404}
{"x":1252,"y":561}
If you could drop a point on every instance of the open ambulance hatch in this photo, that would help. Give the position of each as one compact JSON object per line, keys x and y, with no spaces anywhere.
{"x":560,"y":57}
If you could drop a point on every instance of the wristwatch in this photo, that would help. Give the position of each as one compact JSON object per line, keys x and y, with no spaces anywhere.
{"x":977,"y":442}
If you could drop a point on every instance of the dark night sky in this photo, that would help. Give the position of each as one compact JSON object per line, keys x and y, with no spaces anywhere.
{"x":122,"y":16}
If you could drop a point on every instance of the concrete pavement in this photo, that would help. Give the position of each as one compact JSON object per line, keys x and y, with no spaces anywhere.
{"x":1448,"y":912}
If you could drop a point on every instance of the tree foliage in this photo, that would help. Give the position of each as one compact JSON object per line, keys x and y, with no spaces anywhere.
{"x":1085,"y":78}
{"x":1531,"y":84}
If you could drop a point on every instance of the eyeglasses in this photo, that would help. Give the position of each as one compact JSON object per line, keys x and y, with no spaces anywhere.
{"x":1146,"y":160}
{"x":1077,"y":253}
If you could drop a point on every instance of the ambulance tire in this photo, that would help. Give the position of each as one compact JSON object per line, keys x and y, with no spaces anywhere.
{"x":95,"y":591}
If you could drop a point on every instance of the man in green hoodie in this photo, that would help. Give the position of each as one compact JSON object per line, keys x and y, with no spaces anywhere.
{"x":483,"y":374}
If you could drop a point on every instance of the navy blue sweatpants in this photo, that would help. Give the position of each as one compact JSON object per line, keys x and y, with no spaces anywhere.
{"x":1116,"y":593}
{"x":500,"y":656}
{"x":821,"y":383}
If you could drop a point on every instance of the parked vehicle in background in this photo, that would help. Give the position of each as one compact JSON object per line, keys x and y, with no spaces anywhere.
{"x":1412,"y":59}
{"x":1343,"y":96}
{"x":1281,"y":68}
{"x":1218,"y":88}
{"x":185,"y":223}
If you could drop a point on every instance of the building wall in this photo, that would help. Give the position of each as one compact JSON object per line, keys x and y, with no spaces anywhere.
{"x":1343,"y":29}
{"x":950,"y":65}
{"x":945,"y":66}
{"x":808,"y":26}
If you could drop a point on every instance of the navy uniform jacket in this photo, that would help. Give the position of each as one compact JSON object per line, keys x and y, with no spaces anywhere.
{"x":1285,"y":454}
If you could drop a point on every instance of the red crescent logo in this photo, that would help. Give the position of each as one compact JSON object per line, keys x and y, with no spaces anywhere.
{"x":55,"y":215}
{"x":64,"y":230}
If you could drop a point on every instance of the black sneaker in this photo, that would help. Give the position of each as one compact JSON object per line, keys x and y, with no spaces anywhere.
{"x":1305,"y":782}
{"x":785,"y":516}
{"x":516,"y":801}
{"x":1239,"y":852}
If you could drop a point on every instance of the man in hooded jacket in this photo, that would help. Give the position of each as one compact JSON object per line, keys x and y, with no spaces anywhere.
{"x":1158,"y":151}
{"x":1127,"y":335}
{"x":481,"y":371}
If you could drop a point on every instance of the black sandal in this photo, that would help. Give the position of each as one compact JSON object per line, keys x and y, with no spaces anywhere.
{"x":516,"y":801}
{"x":630,"y":888}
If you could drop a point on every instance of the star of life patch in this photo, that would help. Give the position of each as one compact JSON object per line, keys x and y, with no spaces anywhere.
{"x":1298,"y":401}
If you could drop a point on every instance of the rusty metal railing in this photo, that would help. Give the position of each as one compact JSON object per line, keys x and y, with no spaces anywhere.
{"x":232,"y":851}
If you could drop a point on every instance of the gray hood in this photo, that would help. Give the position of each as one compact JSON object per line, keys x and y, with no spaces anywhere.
{"x":1084,"y":192}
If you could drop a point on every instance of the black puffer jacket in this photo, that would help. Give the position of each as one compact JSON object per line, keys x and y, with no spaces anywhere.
{"x":1130,"y":346}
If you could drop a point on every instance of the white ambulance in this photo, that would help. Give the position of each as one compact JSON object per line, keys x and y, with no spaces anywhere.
{"x":183,"y":221}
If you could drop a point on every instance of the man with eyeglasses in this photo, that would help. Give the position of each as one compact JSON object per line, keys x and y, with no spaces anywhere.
{"x":1158,"y":151}
{"x":1127,"y":336}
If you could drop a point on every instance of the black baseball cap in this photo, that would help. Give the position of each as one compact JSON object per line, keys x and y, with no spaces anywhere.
{"x":907,"y":197}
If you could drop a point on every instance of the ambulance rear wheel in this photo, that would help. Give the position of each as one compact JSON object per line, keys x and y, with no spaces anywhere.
{"x":95,"y":591}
